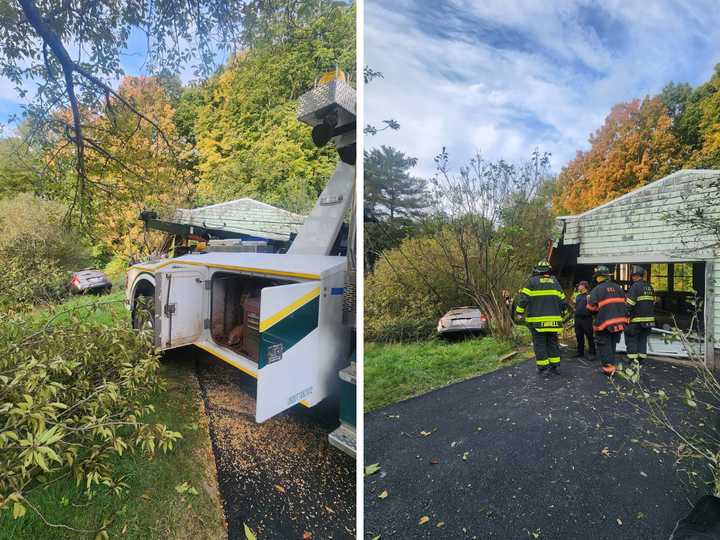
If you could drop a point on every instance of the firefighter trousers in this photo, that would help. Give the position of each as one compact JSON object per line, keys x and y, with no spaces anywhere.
{"x":583,"y":331}
{"x":606,"y":343}
{"x":547,"y":348}
{"x":636,"y":337}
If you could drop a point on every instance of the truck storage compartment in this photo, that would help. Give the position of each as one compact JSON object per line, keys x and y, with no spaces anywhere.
{"x":235,"y":312}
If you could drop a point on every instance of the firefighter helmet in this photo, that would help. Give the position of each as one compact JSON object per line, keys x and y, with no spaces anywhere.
{"x":637,"y":270}
{"x":542,"y":267}
{"x":601,"y":270}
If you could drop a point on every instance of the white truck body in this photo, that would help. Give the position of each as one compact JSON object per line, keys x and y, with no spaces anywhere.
{"x":276,"y":317}
{"x":303,"y":342}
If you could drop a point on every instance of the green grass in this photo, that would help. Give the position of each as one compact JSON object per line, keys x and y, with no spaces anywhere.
{"x":394,"y":372}
{"x":103,"y":309}
{"x":151,"y":508}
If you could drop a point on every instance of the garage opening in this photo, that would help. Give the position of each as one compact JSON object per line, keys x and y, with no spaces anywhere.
{"x":679,"y":302}
{"x":235,"y":311}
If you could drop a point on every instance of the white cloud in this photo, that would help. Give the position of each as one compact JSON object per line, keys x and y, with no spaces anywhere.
{"x":482,"y":90}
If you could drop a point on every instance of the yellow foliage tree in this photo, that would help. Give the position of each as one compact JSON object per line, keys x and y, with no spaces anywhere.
{"x":635,"y":146}
{"x":131,"y":168}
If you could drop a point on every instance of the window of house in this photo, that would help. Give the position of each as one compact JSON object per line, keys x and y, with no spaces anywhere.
{"x":659,"y":277}
{"x":683,"y":277}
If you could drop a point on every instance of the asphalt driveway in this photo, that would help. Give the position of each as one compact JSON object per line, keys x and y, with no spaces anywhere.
{"x":512,"y":455}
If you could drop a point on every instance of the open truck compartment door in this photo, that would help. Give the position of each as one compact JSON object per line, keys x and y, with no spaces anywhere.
{"x":179,"y":297}
{"x":289,"y":342}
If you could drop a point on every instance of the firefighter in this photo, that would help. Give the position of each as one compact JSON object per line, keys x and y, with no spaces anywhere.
{"x":541,"y":304}
{"x":641,"y":312}
{"x":583,"y":321}
{"x":607,"y":301}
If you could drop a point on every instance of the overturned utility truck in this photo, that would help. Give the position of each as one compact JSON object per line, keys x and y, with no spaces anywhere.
{"x":276,"y":316}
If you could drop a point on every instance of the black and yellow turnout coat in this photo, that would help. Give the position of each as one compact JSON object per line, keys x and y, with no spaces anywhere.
{"x":542,"y":303}
{"x":641,"y":303}
{"x":607,"y":300}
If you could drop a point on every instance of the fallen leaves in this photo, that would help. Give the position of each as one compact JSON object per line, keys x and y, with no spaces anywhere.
{"x":423,"y":520}
{"x":279,"y":488}
{"x":440,"y":524}
{"x":605,"y":452}
{"x":372,"y":469}
{"x":383,"y":495}
{"x":466,"y":455}
{"x":184,"y":488}
{"x":18,"y":510}
{"x":307,"y":535}
{"x":249,"y":534}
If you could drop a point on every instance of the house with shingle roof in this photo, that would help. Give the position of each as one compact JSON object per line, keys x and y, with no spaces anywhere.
{"x":670,"y":228}
{"x":250,"y":219}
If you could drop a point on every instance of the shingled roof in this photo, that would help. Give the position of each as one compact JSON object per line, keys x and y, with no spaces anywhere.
{"x":245,"y":216}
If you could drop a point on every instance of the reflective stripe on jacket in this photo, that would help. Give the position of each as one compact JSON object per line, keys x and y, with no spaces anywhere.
{"x":641,"y":302}
{"x":607,"y":300}
{"x":542,"y":302}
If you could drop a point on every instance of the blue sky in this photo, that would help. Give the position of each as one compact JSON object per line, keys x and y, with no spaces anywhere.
{"x":504,"y":77}
{"x":133,"y":60}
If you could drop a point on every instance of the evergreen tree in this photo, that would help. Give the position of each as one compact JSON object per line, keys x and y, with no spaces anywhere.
{"x":394,"y":200}
{"x":390,"y":191}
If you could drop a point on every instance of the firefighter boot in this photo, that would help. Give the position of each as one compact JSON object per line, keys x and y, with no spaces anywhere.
{"x":608,"y":369}
{"x":554,"y":364}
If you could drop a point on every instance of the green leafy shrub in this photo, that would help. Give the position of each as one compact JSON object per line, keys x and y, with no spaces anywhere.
{"x":28,"y":277}
{"x":37,"y":251}
{"x":72,"y":397}
{"x":408,"y":292}
{"x":116,"y":267}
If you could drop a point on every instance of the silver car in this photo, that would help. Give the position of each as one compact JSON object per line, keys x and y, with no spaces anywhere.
{"x":89,"y":280}
{"x":462,"y":320}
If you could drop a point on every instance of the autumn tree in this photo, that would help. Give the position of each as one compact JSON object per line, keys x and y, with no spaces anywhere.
{"x":634,"y":146}
{"x":72,"y":50}
{"x":701,"y":121}
{"x":249,"y":141}
{"x":133,"y":169}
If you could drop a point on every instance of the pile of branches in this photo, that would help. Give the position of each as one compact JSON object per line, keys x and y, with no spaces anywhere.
{"x":73,"y":396}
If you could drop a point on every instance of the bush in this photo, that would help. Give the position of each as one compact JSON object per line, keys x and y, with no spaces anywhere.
{"x":36,"y":251}
{"x":117,"y":266}
{"x":72,"y":397}
{"x":399,"y":305}
{"x":28,"y":277}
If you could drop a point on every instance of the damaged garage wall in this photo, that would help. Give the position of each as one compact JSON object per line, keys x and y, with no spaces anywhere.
{"x":642,"y":226}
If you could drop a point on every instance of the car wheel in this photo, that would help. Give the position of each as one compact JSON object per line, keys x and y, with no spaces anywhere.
{"x":143,"y":315}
